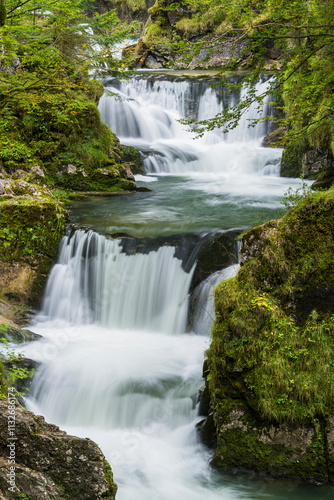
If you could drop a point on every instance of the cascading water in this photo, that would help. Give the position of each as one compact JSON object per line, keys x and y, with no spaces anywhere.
{"x":145,"y":114}
{"x":116,"y":362}
{"x":94,"y":281}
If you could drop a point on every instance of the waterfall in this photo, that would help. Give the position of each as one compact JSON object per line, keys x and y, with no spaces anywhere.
{"x":116,"y":362}
{"x":146,"y":113}
{"x":94,"y":281}
{"x":203,"y":300}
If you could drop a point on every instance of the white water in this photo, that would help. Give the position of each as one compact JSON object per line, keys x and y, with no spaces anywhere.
{"x":146,"y":114}
{"x":117,"y":364}
{"x":94,"y":281}
{"x":131,"y":386}
{"x":204,"y":298}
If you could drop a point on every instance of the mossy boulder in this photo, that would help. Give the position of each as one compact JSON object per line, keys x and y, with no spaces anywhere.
{"x":30,"y":232}
{"x":133,"y":158}
{"x":50,"y":463}
{"x":271,"y":361}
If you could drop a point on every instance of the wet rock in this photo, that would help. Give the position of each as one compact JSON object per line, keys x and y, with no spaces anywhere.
{"x":217,"y":253}
{"x":33,"y":484}
{"x":126,"y":173}
{"x":152,"y":63}
{"x":274,"y":138}
{"x":17,"y":335}
{"x":53,"y":460}
{"x":207,"y":431}
{"x":2,"y":189}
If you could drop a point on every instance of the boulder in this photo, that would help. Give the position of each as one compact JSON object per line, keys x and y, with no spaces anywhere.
{"x":274,"y":138}
{"x":37,"y":172}
{"x":53,"y":463}
{"x":270,"y":367}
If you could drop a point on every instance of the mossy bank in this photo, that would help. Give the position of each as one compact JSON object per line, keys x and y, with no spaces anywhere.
{"x":270,"y":367}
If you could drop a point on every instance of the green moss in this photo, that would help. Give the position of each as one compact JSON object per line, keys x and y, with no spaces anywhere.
{"x":241,"y":448}
{"x":30,"y":228}
{"x":3,"y":15}
{"x":132,"y":156}
{"x":108,"y":475}
{"x":272,"y":351}
{"x":153,"y":34}
{"x":56,"y":130}
{"x":291,"y":164}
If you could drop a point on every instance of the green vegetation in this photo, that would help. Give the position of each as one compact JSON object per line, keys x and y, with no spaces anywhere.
{"x":275,"y":320}
{"x":13,"y":373}
{"x":30,"y":228}
{"x":134,"y":5}
{"x":48,"y":101}
{"x":271,"y":361}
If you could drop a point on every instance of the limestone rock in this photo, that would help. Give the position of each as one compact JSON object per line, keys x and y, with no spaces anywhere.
{"x":315,"y":161}
{"x":69,"y":169}
{"x":17,"y":335}
{"x":126,"y":173}
{"x":24,"y":188}
{"x":2,"y":189}
{"x":37,"y":171}
{"x":152,"y":63}
{"x":277,"y":449}
{"x":53,"y":460}
{"x":16,"y":279}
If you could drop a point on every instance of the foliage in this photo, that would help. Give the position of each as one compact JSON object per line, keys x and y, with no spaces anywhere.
{"x":134,"y":5}
{"x":48,"y":99}
{"x":293,"y":197}
{"x":13,"y":373}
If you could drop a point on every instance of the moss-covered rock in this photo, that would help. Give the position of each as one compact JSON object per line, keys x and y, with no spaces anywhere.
{"x":50,"y":463}
{"x":63,"y":135}
{"x":271,"y":361}
{"x":30,"y":232}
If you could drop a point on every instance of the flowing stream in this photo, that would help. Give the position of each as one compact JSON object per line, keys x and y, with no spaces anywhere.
{"x":118,"y":363}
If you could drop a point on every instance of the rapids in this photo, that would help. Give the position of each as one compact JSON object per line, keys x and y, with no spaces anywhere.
{"x":117,"y":362}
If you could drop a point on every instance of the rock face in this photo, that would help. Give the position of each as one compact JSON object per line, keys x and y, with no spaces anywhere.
{"x":30,"y":232}
{"x":275,"y":138}
{"x":205,"y":47}
{"x":127,"y":10}
{"x":315,"y":161}
{"x":50,"y":464}
{"x":269,"y":370}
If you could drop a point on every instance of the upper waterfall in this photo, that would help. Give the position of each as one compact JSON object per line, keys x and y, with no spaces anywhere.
{"x":146,"y":113}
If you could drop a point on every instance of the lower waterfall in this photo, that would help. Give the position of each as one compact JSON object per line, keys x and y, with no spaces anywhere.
{"x":122,"y":370}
